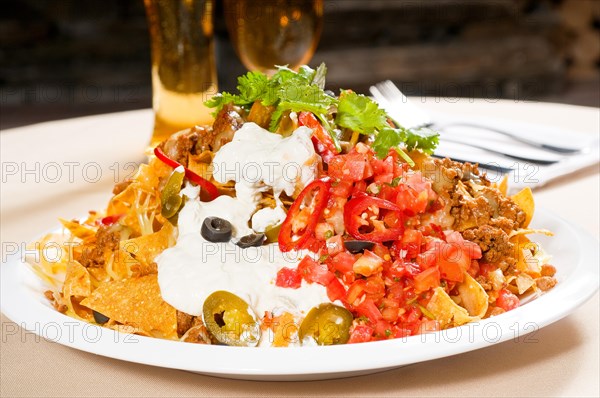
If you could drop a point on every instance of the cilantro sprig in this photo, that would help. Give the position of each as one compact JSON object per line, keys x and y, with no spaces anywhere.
{"x":303,"y":91}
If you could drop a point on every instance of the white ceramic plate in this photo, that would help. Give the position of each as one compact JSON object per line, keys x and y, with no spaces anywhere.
{"x":575,"y":256}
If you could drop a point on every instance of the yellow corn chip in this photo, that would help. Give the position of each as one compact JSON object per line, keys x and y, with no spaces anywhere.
{"x":77,"y":286}
{"x":473,"y":297}
{"x":78,"y":230}
{"x":446,"y":311}
{"x":527,"y":231}
{"x":77,"y":281}
{"x":524,"y":199}
{"x":144,"y":249}
{"x":286,"y":330}
{"x":525,"y":249}
{"x":503,"y":186}
{"x":136,"y":302}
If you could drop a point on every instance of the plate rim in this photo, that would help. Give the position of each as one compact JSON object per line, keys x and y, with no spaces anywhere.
{"x":29,"y":312}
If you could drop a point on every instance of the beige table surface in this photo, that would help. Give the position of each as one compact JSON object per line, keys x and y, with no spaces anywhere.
{"x":563,"y":361}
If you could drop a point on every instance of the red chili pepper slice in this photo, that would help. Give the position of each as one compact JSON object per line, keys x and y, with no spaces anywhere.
{"x":110,"y":220}
{"x":352,"y":217}
{"x":320,"y":188}
{"x":208,"y":186}
{"x":322,"y":141}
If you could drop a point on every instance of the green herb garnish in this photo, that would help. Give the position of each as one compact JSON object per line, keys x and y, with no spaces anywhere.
{"x":303,"y":91}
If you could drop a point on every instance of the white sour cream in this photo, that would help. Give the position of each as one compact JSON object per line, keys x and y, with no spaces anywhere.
{"x":258,"y":160}
{"x":194,"y":268}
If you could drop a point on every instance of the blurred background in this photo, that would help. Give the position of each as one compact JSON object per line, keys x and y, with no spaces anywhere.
{"x":64,"y":58}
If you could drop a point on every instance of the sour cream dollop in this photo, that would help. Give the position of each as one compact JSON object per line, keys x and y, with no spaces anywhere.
{"x":194,"y":268}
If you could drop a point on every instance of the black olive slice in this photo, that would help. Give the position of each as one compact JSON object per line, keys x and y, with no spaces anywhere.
{"x":215,"y":229}
{"x":251,"y":240}
{"x":358,"y":246}
{"x":100,"y":319}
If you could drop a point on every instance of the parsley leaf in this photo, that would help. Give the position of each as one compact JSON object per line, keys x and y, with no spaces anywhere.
{"x":386,"y":139}
{"x":422,"y":138}
{"x":360,"y":113}
{"x":251,"y":86}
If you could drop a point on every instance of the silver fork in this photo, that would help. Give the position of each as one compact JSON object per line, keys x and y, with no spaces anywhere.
{"x":408,"y":115}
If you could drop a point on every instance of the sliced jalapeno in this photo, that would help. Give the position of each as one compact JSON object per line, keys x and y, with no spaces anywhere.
{"x":328,"y":324}
{"x":272,"y":233}
{"x":230,"y":320}
{"x":169,"y":197}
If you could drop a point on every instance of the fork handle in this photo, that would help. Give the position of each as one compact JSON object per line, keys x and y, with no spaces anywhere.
{"x":548,"y":147}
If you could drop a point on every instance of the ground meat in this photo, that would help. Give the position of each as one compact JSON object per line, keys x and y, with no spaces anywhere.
{"x":548,"y":270}
{"x":545,"y":283}
{"x":494,"y":243}
{"x":191,"y":329}
{"x":227,"y":122}
{"x":121,"y":186}
{"x":180,"y":145}
{"x":94,"y":254}
{"x":495,"y":311}
{"x":184,"y":322}
{"x":199,"y":335}
{"x":56,"y":301}
{"x":203,"y":138}
{"x":478,"y":210}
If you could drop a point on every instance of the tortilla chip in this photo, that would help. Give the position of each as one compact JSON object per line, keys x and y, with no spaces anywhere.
{"x":524,"y":199}
{"x":473,"y":297}
{"x":77,"y":286}
{"x":446,"y":311}
{"x":503,"y":185}
{"x":525,"y":250}
{"x":285,"y":330}
{"x":527,"y":231}
{"x":136,"y":302}
{"x":144,"y":249}
{"x":524,"y":282}
{"x":78,"y":230}
{"x":77,"y":281}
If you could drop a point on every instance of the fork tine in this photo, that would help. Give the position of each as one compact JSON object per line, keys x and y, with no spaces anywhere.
{"x":390,"y":91}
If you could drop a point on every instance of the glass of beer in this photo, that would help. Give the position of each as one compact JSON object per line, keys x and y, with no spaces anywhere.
{"x":184,"y":73}
{"x":274,"y":32}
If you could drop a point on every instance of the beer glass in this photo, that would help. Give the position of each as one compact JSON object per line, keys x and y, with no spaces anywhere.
{"x":274,"y":32}
{"x":184,"y":73}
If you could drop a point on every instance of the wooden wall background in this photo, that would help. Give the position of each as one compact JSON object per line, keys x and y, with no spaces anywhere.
{"x":64,"y":58}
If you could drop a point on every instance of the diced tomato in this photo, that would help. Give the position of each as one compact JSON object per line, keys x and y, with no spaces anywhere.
{"x":361,"y":334}
{"x":486,"y":268}
{"x":353,"y":166}
{"x":427,"y":259}
{"x":322,"y":141}
{"x":342,"y":262}
{"x":410,"y":201}
{"x":428,"y":279}
{"x":335,"y":290}
{"x":341,"y":188}
{"x":334,"y":245}
{"x":507,"y":300}
{"x":369,"y":309}
{"x":313,"y":272}
{"x":383,"y":329}
{"x":390,"y":309}
{"x":324,"y":231}
{"x":367,"y":264}
{"x":452,"y":262}
{"x":288,"y":277}
{"x":356,"y":291}
{"x":375,"y":287}
{"x":399,"y":269}
{"x":471,"y":249}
